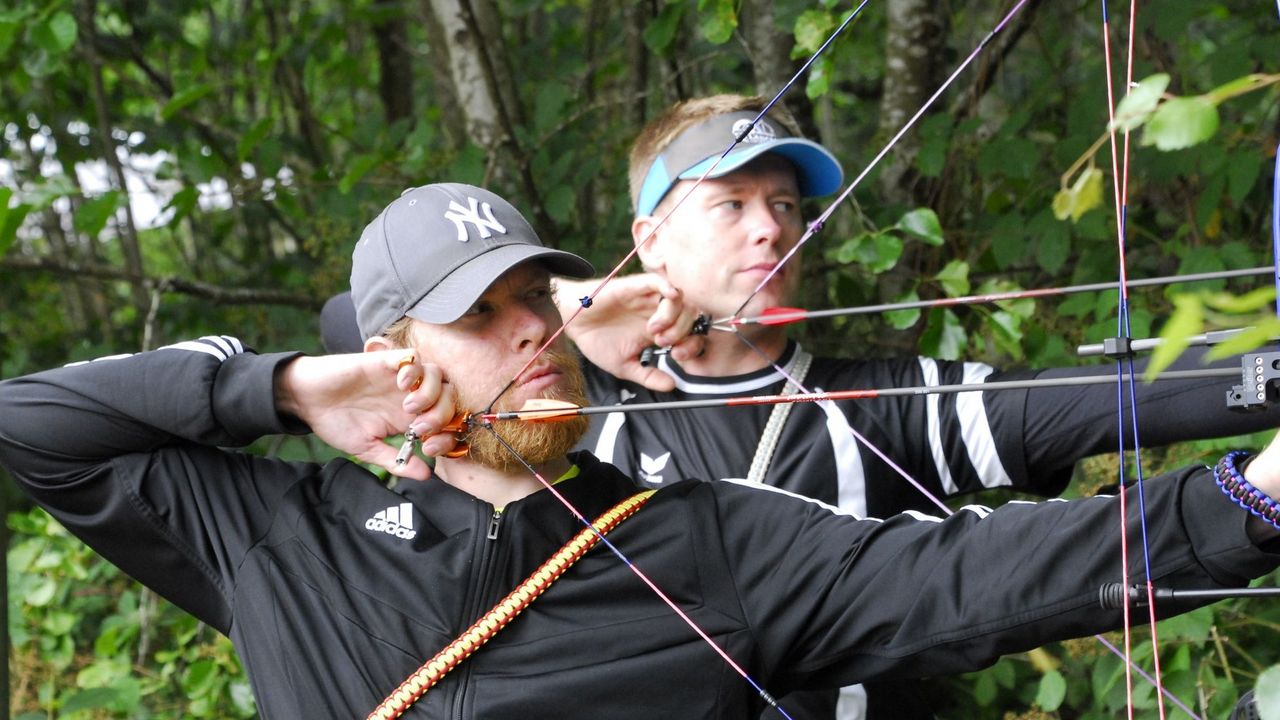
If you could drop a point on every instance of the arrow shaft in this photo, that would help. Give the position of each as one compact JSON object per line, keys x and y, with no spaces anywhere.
{"x":782,"y":318}
{"x":860,"y":394}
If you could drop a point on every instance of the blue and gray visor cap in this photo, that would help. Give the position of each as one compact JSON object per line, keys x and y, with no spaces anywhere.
{"x":696,"y":149}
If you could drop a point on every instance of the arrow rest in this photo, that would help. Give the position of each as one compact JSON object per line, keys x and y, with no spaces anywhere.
{"x":1258,"y":388}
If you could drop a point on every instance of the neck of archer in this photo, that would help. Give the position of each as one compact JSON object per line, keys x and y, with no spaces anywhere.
{"x":497,"y":487}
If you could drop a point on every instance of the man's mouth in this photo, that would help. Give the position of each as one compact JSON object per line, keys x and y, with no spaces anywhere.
{"x":537,"y":379}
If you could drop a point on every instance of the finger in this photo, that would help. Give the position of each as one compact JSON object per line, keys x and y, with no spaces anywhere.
{"x":439,"y":444}
{"x":651,"y":378}
{"x":409,"y":373}
{"x":666,"y":318}
{"x":689,"y":348}
{"x":681,"y":328}
{"x":424,"y":388}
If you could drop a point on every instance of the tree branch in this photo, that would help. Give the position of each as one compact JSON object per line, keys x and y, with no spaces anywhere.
{"x":184,"y":286}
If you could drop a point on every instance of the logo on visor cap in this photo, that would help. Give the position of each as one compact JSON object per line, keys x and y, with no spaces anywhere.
{"x":762,"y":132}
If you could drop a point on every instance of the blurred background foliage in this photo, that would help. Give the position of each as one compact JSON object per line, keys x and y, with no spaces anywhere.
{"x":176,"y":169}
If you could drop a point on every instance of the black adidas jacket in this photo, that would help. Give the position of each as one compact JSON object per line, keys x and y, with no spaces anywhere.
{"x":329,"y":611}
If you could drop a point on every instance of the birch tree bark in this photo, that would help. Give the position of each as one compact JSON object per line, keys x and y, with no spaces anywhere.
{"x":914,"y":40}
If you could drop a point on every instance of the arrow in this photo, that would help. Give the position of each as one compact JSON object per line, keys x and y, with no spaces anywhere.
{"x":543,"y":410}
{"x":785,"y":315}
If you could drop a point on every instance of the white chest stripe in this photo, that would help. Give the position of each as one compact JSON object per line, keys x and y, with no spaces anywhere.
{"x":933,"y":427}
{"x":608,"y":439}
{"x":979,"y":443}
{"x":851,"y":478}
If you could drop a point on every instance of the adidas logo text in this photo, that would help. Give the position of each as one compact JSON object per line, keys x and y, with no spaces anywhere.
{"x":396,"y":520}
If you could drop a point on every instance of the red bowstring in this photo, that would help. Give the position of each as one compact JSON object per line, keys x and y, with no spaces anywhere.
{"x":1120,"y":185}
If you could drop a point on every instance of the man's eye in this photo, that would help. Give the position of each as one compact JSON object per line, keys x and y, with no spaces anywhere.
{"x":784,"y":206}
{"x":479,"y":308}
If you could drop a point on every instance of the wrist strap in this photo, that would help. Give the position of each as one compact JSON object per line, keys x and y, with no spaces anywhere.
{"x":1227,"y":474}
{"x":422,"y":679}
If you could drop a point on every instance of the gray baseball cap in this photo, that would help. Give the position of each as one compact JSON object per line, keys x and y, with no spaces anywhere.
{"x":689,"y":155}
{"x":435,"y":250}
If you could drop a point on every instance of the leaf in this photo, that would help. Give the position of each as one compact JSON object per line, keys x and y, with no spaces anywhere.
{"x":1083,"y":196}
{"x":1239,"y":86}
{"x":718,"y":20}
{"x":1136,"y":107}
{"x":1186,"y":320}
{"x":551,"y":100}
{"x":10,"y":219}
{"x":183,"y":98}
{"x":923,"y":223}
{"x":1181,"y":123}
{"x":92,"y":215}
{"x":877,"y":252}
{"x":254,"y":135}
{"x":954,"y":278}
{"x":819,"y":79}
{"x":56,"y":35}
{"x":1242,"y":174}
{"x":1261,"y":333}
{"x":8,"y":31}
{"x":1053,"y":689}
{"x":811,"y":30}
{"x":559,"y":203}
{"x":662,"y":30}
{"x":903,"y":319}
{"x":944,"y":336}
{"x":90,"y":699}
{"x":1266,"y":693}
{"x":1252,"y":301}
{"x":360,"y":167}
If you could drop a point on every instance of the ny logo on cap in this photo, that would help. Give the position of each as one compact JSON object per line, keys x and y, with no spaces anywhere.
{"x":762,"y":132}
{"x":460,"y":215}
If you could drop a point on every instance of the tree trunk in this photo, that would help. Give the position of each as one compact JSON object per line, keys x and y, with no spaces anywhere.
{"x":128,"y":230}
{"x":914,"y":41}
{"x":395,"y":79}
{"x":769,"y":48}
{"x":477,"y":99}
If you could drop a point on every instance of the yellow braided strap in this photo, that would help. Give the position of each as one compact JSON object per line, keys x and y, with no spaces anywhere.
{"x":425,"y":677}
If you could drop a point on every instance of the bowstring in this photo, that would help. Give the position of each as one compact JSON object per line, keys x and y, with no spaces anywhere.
{"x":573,"y":510}
{"x":1125,"y":365}
{"x":1121,"y":193}
{"x":587,"y":301}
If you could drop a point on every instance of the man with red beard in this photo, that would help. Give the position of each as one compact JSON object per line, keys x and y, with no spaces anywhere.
{"x":335,"y":588}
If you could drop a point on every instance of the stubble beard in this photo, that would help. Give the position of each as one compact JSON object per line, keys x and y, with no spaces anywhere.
{"x":533,"y":443}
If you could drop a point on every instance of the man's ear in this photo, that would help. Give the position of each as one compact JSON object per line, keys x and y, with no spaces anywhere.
{"x":378,"y":342}
{"x":650,"y":249}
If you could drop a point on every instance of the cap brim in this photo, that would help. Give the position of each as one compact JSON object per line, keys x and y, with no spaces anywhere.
{"x":449,"y":299}
{"x":818,"y":172}
{"x":339,"y":332}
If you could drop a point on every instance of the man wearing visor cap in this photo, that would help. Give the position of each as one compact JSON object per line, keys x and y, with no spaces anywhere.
{"x":706,"y":248}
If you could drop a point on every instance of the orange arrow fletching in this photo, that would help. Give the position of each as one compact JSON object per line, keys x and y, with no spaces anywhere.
{"x":546,"y":410}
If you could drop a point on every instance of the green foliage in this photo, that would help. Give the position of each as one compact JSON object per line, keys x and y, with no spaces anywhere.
{"x":86,"y":642}
{"x":268,"y":143}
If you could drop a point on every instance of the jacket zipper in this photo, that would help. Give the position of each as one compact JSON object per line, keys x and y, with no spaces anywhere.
{"x":486,"y":562}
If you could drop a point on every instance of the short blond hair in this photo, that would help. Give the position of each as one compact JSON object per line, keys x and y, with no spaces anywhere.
{"x":658,"y":133}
